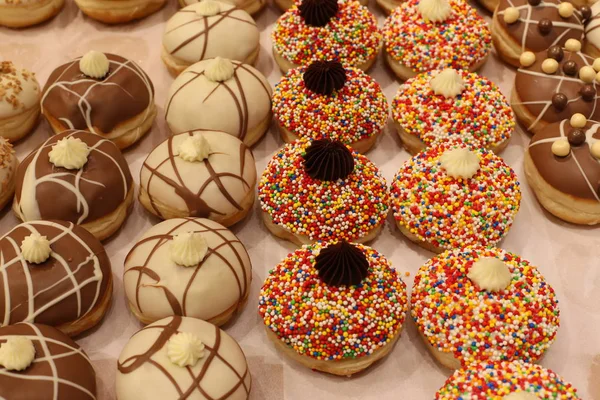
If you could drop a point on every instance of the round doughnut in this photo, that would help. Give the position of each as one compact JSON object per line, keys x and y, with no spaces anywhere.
{"x":8,"y":169}
{"x":252,"y":7}
{"x":182,"y":357}
{"x":415,"y":43}
{"x":95,"y":192}
{"x":347,"y":293}
{"x":71,"y":272}
{"x":483,"y":304}
{"x":217,"y":182}
{"x":54,"y":366}
{"x":473,"y":111}
{"x":354,"y":110}
{"x":19,"y":101}
{"x":202,"y":268}
{"x":540,"y":98}
{"x":73,"y":99}
{"x":538,"y":27}
{"x":487,"y":380}
{"x":341,"y":30}
{"x":119,"y":11}
{"x":207,"y":30}
{"x":450,"y":196}
{"x":223,"y":95}
{"x":567,"y":185}
{"x":322,"y":190}
{"x":24,"y":13}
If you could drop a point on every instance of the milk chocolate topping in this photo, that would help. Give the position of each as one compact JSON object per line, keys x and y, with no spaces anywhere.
{"x":536,"y":90}
{"x":81,"y":102}
{"x":61,"y":369}
{"x":60,"y":290}
{"x":540,"y":26}
{"x":577,"y":174}
{"x":79,"y":196}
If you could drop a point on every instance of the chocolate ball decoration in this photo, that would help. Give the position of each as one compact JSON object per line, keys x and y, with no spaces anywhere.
{"x":559,"y":101}
{"x":576,"y":137}
{"x":534,"y":2}
{"x":586,"y":12}
{"x":570,"y":67}
{"x":556,"y":52}
{"x":545,"y":26}
{"x":587,"y":92}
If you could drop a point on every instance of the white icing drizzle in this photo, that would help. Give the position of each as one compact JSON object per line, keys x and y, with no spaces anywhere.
{"x":560,"y":78}
{"x":589,"y":140}
{"x":528,"y":21}
{"x":85,"y":107}
{"x":69,"y":274}
{"x":50,"y":360}
{"x":28,"y":202}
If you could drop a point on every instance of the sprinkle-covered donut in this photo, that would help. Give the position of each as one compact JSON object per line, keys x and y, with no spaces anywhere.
{"x":439,"y":106}
{"x":417,"y":41}
{"x":322,"y":190}
{"x":326,"y":100}
{"x":334,"y":306}
{"x":483,"y":304}
{"x":552,"y":85}
{"x":340,"y":30}
{"x":483,"y":381}
{"x":450,"y":196}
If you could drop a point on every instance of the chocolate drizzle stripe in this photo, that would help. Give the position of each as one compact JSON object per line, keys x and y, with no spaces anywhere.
{"x":168,"y":331}
{"x":70,"y":276}
{"x":179,"y":89}
{"x":179,"y":307}
{"x":589,"y":141}
{"x":47,"y":357}
{"x":196,"y":206}
{"x":85,"y":107}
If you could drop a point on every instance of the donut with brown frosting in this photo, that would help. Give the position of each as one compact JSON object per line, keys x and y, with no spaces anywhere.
{"x":8,"y":169}
{"x":554,"y":84}
{"x":96,"y":193}
{"x":54,"y":273}
{"x":562,"y":165}
{"x":533,"y":25}
{"x":105,"y":94}
{"x":54,"y":366}
{"x":19,"y":100}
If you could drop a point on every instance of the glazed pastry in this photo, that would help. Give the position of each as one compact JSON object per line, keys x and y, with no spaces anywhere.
{"x":423,"y":35}
{"x":516,"y":380}
{"x":200,"y":173}
{"x":119,"y":11}
{"x":326,"y":100}
{"x":449,"y":196}
{"x":86,"y":177}
{"x":54,"y":273}
{"x":223,"y":95}
{"x":202,"y":268}
{"x":533,"y":25}
{"x":447,"y":105}
{"x":562,"y":166}
{"x":24,"y":13}
{"x":8,"y":169}
{"x":39,"y":362}
{"x":181,"y":357}
{"x":555,"y":84}
{"x":341,"y":30}
{"x":76,"y":94}
{"x":322,"y":190}
{"x":207,"y":30}
{"x":19,"y":100}
{"x":500,"y":307}
{"x":335,"y":308}
{"x":252,"y":7}
{"x":592,"y":32}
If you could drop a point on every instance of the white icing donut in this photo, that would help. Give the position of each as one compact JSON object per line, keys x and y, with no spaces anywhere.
{"x":240,"y":106}
{"x":157,"y":287}
{"x":19,"y":101}
{"x":145,"y":370}
{"x":216,"y":188}
{"x":190,"y":37}
{"x":8,"y":166}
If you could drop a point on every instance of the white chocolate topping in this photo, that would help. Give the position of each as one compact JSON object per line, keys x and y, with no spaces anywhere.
{"x":35,"y":248}
{"x":460,"y":163}
{"x":188,"y":249}
{"x":94,"y":64}
{"x":448,"y":83}
{"x":17,"y":353}
{"x":490,"y":274}
{"x":69,"y":153}
{"x":185,"y":349}
{"x":435,"y":10}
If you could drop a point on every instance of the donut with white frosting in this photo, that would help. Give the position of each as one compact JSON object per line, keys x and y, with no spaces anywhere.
{"x":19,"y":100}
{"x":8,"y":169}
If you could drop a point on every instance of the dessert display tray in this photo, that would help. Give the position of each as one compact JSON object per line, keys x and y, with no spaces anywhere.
{"x":567,"y":255}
